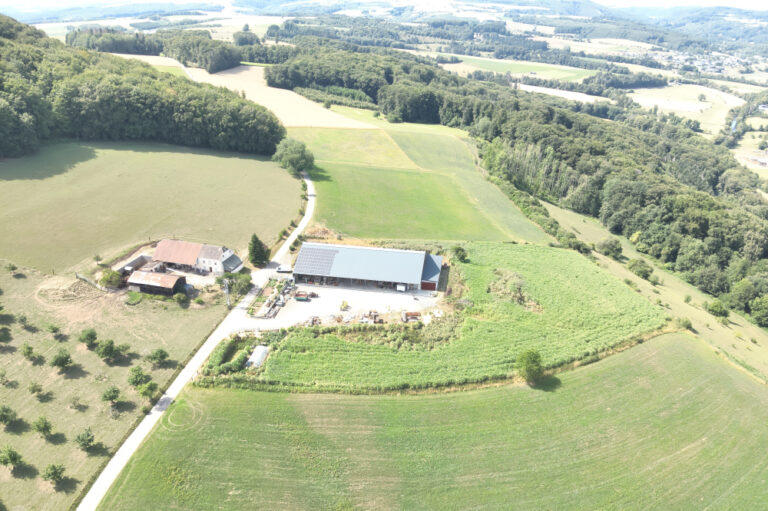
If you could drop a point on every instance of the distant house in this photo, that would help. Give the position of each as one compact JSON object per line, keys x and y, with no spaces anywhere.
{"x":367,"y":266}
{"x":187,"y":256}
{"x":156,"y":283}
{"x":763,"y":108}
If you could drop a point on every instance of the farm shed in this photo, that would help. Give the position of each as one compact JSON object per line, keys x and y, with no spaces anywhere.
{"x":156,"y":283}
{"x":367,"y":266}
{"x":197,"y":257}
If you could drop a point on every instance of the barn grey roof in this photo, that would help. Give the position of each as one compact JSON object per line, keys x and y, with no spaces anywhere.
{"x":432,"y":266}
{"x":365,"y":263}
{"x":211,"y":252}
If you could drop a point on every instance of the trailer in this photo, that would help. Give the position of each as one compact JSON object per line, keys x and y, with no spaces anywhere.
{"x":301,"y":296}
{"x":410,"y":316}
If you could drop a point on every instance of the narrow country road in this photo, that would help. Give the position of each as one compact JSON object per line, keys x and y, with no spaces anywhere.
{"x":232,"y":323}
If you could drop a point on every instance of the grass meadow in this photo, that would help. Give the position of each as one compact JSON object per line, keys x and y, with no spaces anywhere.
{"x":735,"y":338}
{"x":72,"y":200}
{"x":519,"y":67}
{"x":683,"y":100}
{"x":174,"y":70}
{"x":665,"y":425}
{"x":408,"y":184}
{"x":577,"y":318}
{"x":73,"y":306}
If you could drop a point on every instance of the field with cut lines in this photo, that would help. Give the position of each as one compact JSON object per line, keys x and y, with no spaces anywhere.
{"x":72,"y":200}
{"x":571,"y":319}
{"x":665,"y":425}
{"x":683,"y":100}
{"x":408,"y":182}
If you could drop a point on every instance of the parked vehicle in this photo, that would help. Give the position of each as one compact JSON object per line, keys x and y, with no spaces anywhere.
{"x":284,"y":268}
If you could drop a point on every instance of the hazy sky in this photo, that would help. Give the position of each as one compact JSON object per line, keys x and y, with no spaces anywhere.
{"x":35,"y":5}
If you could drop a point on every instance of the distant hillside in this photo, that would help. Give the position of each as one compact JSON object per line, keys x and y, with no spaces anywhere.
{"x":49,"y":90}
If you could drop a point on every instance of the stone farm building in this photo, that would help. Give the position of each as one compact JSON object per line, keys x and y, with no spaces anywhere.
{"x":366,"y":266}
{"x":187,"y":256}
{"x":156,"y":283}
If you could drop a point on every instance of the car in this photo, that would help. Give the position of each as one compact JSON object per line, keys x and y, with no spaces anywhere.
{"x":284,"y":268}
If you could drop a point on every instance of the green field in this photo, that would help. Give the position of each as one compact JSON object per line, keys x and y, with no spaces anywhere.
{"x":544,"y":71}
{"x":408,"y":184}
{"x":53,"y":301}
{"x":72,"y":200}
{"x":174,"y":70}
{"x":665,"y":425}
{"x":577,"y":318}
{"x":744,"y":342}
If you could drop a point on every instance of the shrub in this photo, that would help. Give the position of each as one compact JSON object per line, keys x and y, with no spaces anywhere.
{"x":199,"y":301}
{"x":62,"y":360}
{"x":684,"y":323}
{"x":528,"y":366}
{"x":10,"y":456}
{"x":716,"y":308}
{"x":610,"y":247}
{"x":459,"y":253}
{"x":85,"y":440}
{"x":137,"y":377}
{"x":157,"y":357}
{"x":53,"y":473}
{"x":109,"y":352}
{"x":111,"y":394}
{"x":27,"y":351}
{"x":148,"y":389}
{"x":88,"y":337}
{"x":43,"y":426}
{"x":640,"y":268}
{"x":181,"y":298}
{"x":111,"y":278}
{"x":7,"y":415}
{"x":35,"y":388}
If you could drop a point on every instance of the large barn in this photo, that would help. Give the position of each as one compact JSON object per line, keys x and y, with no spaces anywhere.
{"x":156,"y":283}
{"x":366,"y":266}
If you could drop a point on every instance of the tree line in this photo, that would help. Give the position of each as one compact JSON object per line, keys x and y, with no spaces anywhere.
{"x":48,"y":90}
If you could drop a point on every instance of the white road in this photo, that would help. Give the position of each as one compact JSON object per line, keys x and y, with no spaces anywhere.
{"x":236,"y":321}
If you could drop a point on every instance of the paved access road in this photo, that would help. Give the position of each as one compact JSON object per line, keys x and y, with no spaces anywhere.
{"x":235,"y":321}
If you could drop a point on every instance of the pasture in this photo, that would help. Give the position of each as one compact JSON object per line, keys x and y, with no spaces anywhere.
{"x":519,"y":68}
{"x":749,"y":147}
{"x":733,"y":339}
{"x":396,"y":183}
{"x":683,"y":100}
{"x":73,"y":306}
{"x":665,"y":425}
{"x":174,"y":70}
{"x":572,"y":319}
{"x":73,"y":200}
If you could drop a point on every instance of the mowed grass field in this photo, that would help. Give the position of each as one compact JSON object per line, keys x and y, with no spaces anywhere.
{"x":73,"y":306}
{"x":683,"y":100}
{"x":174,"y":70}
{"x":733,"y":339}
{"x":665,"y":425}
{"x":73,"y":200}
{"x":577,"y":318}
{"x":520,"y":67}
{"x":408,"y":184}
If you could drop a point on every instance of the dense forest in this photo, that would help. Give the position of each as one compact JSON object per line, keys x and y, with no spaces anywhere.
{"x":678,"y":197}
{"x":48,"y":90}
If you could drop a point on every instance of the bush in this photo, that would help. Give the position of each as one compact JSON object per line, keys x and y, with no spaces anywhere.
{"x":137,"y":377}
{"x":7,"y":415}
{"x":10,"y":456}
{"x":293,"y":155}
{"x":111,"y":278}
{"x":157,"y":357}
{"x":716,"y":308}
{"x":35,"y":388}
{"x":528,"y":366}
{"x":610,"y":247}
{"x":85,"y":440}
{"x":111,"y":394}
{"x":88,"y":337}
{"x":109,"y":352}
{"x":62,"y":360}
{"x":640,"y":268}
{"x":459,"y":253}
{"x":181,"y":298}
{"x":53,"y":473}
{"x":43,"y":426}
{"x":684,"y":323}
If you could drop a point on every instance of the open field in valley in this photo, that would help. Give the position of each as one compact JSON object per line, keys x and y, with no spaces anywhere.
{"x":683,"y":100}
{"x":72,"y":200}
{"x":393,"y":183}
{"x":733,"y":339}
{"x":564,"y":318}
{"x":597,"y":46}
{"x":519,"y":68}
{"x":174,"y":70}
{"x":742,"y":88}
{"x":666,"y":424}
{"x":73,"y":306}
{"x":749,"y":146}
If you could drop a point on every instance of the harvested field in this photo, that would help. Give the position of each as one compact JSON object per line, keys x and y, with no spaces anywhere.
{"x":565,"y":94}
{"x":667,"y":415}
{"x":518,"y":68}
{"x":292,"y":109}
